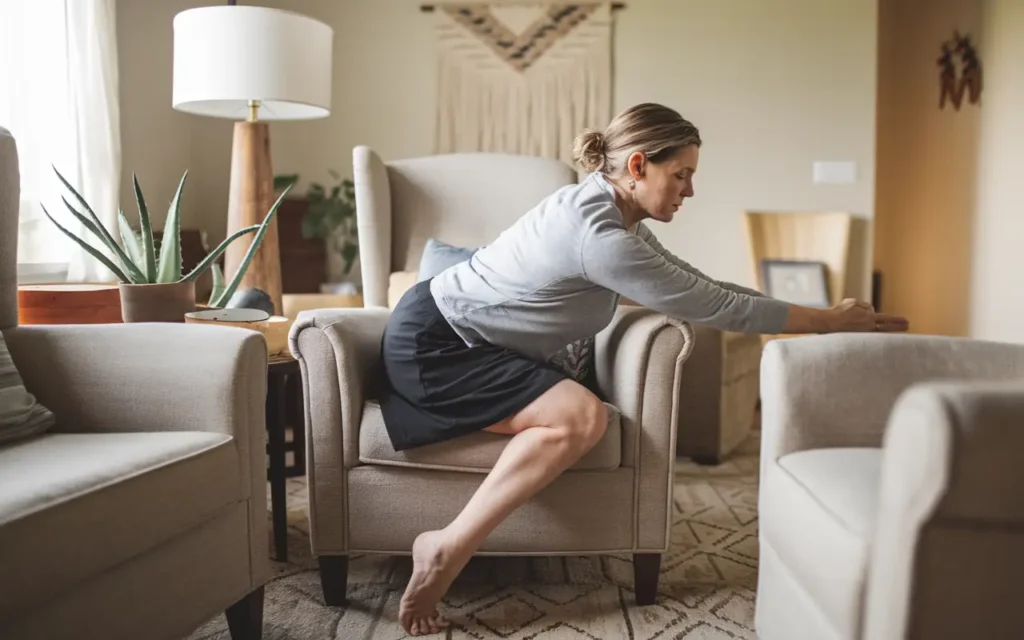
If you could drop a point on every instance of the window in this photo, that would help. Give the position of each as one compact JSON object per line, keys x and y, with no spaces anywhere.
{"x":58,"y":98}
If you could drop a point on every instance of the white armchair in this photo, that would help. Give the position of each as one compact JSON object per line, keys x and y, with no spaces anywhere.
{"x":892,"y":489}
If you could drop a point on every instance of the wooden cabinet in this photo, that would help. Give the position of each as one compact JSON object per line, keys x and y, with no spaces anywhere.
{"x":303,"y":261}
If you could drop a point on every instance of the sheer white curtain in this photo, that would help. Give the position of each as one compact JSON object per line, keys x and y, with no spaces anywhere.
{"x":59,"y":98}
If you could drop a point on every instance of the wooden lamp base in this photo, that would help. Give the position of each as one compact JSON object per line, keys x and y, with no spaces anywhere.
{"x":249,"y":202}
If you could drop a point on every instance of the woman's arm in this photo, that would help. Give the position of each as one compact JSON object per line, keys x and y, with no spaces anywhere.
{"x":625,"y":263}
{"x":850,"y":315}
{"x":616,"y":259}
{"x":648,"y":236}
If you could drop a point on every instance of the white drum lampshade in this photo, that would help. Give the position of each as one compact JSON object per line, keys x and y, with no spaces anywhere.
{"x":252,"y":64}
{"x":225,"y":57}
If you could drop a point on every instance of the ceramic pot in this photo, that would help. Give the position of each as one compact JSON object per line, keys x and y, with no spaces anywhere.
{"x":162,"y":302}
{"x":252,"y":319}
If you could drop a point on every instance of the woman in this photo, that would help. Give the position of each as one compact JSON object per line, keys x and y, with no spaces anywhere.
{"x":470,"y":348}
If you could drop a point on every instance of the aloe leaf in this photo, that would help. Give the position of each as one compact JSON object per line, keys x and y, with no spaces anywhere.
{"x":218,"y":283}
{"x":125,"y":260}
{"x":98,"y":227}
{"x":129,"y":239}
{"x":94,"y":252}
{"x":88,"y":224}
{"x":213,"y":255}
{"x":149,"y":253}
{"x":253,"y":248}
{"x":94,"y":225}
{"x":170,"y":245}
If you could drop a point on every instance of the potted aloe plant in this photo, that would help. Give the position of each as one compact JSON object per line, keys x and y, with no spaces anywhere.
{"x":152,"y":287}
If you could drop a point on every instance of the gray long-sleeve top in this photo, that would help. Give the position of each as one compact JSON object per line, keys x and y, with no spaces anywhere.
{"x":556,"y":276}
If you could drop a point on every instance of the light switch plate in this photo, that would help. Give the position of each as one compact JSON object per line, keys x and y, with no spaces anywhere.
{"x":835,"y":172}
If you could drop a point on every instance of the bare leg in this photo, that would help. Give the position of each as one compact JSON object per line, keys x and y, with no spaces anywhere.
{"x":549,"y":436}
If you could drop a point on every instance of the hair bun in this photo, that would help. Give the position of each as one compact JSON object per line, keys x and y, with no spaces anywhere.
{"x":590,"y":150}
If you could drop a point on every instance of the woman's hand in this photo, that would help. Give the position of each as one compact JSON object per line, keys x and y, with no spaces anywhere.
{"x":848,"y":315}
{"x":854,"y":315}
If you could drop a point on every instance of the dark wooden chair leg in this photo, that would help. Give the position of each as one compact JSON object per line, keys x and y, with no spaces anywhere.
{"x":334,"y":579}
{"x":646,"y":567}
{"x":245,"y":617}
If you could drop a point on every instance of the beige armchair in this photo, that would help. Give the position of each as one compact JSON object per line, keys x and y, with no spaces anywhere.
{"x":142,"y":513}
{"x":892,"y":489}
{"x":366,"y":498}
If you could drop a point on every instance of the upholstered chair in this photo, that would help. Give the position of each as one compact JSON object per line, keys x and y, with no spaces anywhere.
{"x":142,"y":511}
{"x":892,"y":489}
{"x":366,"y":498}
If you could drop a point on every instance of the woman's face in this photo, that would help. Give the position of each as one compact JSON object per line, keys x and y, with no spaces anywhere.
{"x":661,"y":188}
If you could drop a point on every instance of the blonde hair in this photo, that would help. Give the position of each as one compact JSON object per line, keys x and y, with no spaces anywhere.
{"x":652,"y":129}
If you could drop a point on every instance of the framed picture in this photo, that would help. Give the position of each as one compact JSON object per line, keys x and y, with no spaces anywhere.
{"x":802,"y":282}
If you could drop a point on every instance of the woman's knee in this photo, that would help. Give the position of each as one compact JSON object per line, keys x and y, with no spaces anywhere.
{"x":582,"y":418}
{"x":572,"y":414}
{"x":592,"y":421}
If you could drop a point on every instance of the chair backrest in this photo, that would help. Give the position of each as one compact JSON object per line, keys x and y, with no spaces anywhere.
{"x":10,"y":197}
{"x":464,"y":199}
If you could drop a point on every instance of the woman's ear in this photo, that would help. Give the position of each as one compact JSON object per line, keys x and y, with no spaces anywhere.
{"x":636,"y":164}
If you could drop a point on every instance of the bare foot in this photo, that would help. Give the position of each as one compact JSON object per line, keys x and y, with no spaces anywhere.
{"x":435,"y":566}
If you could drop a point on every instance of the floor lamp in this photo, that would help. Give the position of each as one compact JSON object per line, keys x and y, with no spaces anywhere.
{"x":253,"y":65}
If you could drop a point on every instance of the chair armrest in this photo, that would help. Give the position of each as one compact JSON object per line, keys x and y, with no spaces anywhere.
{"x":638,"y":359}
{"x":146,"y":377}
{"x":337,"y":350}
{"x":949,"y":527}
{"x":838,"y":390}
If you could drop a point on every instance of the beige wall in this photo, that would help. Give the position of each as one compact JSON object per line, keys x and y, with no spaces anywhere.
{"x":772,"y":86}
{"x":157,"y":141}
{"x":950,"y":203}
{"x":997,"y":283}
{"x":927,"y":164}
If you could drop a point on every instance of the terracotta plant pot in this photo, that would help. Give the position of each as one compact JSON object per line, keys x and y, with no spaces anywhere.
{"x":163,"y":302}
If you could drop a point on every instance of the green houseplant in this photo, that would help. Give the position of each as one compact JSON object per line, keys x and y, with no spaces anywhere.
{"x":153,"y":287}
{"x":330,"y":216}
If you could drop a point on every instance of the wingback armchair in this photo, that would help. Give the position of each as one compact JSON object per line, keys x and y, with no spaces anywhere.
{"x":892,"y":489}
{"x":142,"y":512}
{"x":366,"y":498}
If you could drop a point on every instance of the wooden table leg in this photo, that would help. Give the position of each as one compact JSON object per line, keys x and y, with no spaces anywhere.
{"x":297,"y":421}
{"x":276,"y":420}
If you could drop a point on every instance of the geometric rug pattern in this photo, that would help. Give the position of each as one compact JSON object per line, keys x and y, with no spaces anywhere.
{"x":706,"y":589}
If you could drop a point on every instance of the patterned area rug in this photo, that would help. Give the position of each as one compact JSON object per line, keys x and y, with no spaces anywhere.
{"x":706,"y":590}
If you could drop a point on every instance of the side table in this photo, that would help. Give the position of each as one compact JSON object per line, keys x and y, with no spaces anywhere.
{"x":283,"y":409}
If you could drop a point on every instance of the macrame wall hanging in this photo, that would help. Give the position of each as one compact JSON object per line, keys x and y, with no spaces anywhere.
{"x":522,"y":78}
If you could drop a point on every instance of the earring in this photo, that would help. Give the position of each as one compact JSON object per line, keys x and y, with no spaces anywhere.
{"x":632,"y":185}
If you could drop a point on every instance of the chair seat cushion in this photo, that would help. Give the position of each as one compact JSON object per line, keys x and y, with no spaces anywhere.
{"x":817,"y":512}
{"x":73,"y":504}
{"x":475,"y":452}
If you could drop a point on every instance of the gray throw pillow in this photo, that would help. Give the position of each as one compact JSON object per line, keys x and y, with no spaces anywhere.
{"x":20,"y":415}
{"x":438,"y":256}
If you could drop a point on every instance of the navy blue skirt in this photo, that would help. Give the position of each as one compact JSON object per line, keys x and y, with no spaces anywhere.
{"x":434,"y":387}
